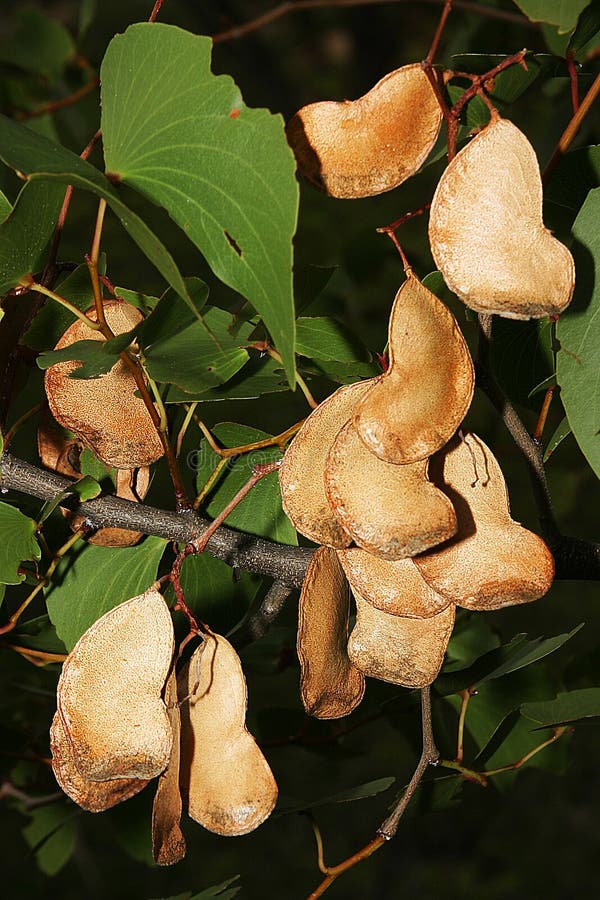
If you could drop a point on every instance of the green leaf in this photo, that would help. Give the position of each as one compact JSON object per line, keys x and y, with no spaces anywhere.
{"x":522,"y":356}
{"x":52,"y":836}
{"x":41,"y":160}
{"x":86,"y":489}
{"x":578,"y":330}
{"x":37,"y":634}
{"x":5,"y":206}
{"x":180,"y":350}
{"x":562,"y":13}
{"x":39,"y":45}
{"x":143,"y":302}
{"x":571,"y":707}
{"x":433,"y":794}
{"x":321,"y":338}
{"x":517,"y":654}
{"x":184,"y":138}
{"x":219,"y":890}
{"x":360,"y":792}
{"x":26,"y":231}
{"x":260,"y":512}
{"x":588,"y":26}
{"x":17,"y":543}
{"x":96,"y":357}
{"x":562,"y":431}
{"x":214,"y":593}
{"x":576,"y":175}
{"x":91,"y":580}
{"x":261,"y":375}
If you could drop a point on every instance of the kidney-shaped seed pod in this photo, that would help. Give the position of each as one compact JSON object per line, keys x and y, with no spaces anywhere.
{"x":94,"y":796}
{"x":330,"y":686}
{"x":492,"y":561}
{"x":110,"y":692}
{"x":403,"y":651}
{"x":104,"y":412}
{"x":487,"y":233}
{"x":394,"y":586}
{"x":168,"y":842}
{"x":226,"y":783}
{"x":367,"y":146}
{"x":418,"y":404}
{"x":392,"y":511}
{"x":301,"y":474}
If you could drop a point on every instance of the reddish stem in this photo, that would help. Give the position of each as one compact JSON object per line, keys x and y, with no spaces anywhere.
{"x":572,"y":67}
{"x":438,"y":33}
{"x":155,"y":10}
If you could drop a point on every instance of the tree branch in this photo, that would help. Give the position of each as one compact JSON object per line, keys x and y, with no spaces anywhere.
{"x":239,"y":550}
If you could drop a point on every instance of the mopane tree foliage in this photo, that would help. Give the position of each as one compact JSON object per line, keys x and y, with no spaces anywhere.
{"x":273,"y":361}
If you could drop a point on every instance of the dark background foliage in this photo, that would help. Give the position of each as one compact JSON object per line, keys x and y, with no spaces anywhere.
{"x":526,"y":835}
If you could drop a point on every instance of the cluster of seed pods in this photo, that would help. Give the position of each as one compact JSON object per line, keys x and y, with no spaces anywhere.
{"x":124,"y":718}
{"x":411,"y":515}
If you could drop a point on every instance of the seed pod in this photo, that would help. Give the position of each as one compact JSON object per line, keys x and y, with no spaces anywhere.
{"x":487,"y":233}
{"x":62,"y":454}
{"x":391,"y":511}
{"x":109,"y":692}
{"x":104,"y":412}
{"x":492,"y":561}
{"x":94,"y":796}
{"x":301,"y":475}
{"x":409,"y":652}
{"x":168,"y":842}
{"x":226,"y":783}
{"x":393,"y":586}
{"x":418,"y":404}
{"x":367,"y":146}
{"x":330,"y":685}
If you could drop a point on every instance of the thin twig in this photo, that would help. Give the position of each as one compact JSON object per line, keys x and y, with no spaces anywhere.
{"x":286,"y":7}
{"x":571,"y":130}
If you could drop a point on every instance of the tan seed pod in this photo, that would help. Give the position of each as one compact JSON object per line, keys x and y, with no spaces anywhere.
{"x":93,"y":796}
{"x":104,"y":412}
{"x":394,"y":586}
{"x":487,"y":233}
{"x":367,"y":146}
{"x":330,"y":686}
{"x":61,"y":454}
{"x":391,"y":511}
{"x":418,"y":404}
{"x":109,"y":692}
{"x":492,"y":561}
{"x":168,"y":842}
{"x":226,"y":783}
{"x":403,"y":651}
{"x":301,"y":475}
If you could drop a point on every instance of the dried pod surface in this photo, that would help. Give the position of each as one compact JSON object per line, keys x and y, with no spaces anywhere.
{"x":394,"y":586}
{"x":487,"y":234}
{"x":392,"y":511}
{"x":301,"y":475}
{"x":367,"y":146}
{"x":409,"y":652}
{"x":492,"y":561}
{"x":104,"y":412}
{"x":330,"y":686}
{"x":109,"y":692}
{"x":94,"y":796}
{"x":418,"y":404}
{"x":226,"y":782}
{"x":168,"y":842}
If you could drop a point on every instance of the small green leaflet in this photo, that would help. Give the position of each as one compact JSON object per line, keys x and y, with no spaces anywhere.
{"x":588,"y":27}
{"x":260,"y":375}
{"x":260,"y":512}
{"x":562,"y":13}
{"x":322,"y":338}
{"x":86,"y":489}
{"x":52,"y":835}
{"x":96,"y":357}
{"x":184,"y":138}
{"x":576,"y":175}
{"x":17,"y":543}
{"x":578,"y":330}
{"x":360,"y":792}
{"x":39,"y":45}
{"x":571,"y":707}
{"x":217,"y":890}
{"x":26,"y":230}
{"x":563,"y":430}
{"x":90,"y":582}
{"x":5,"y":206}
